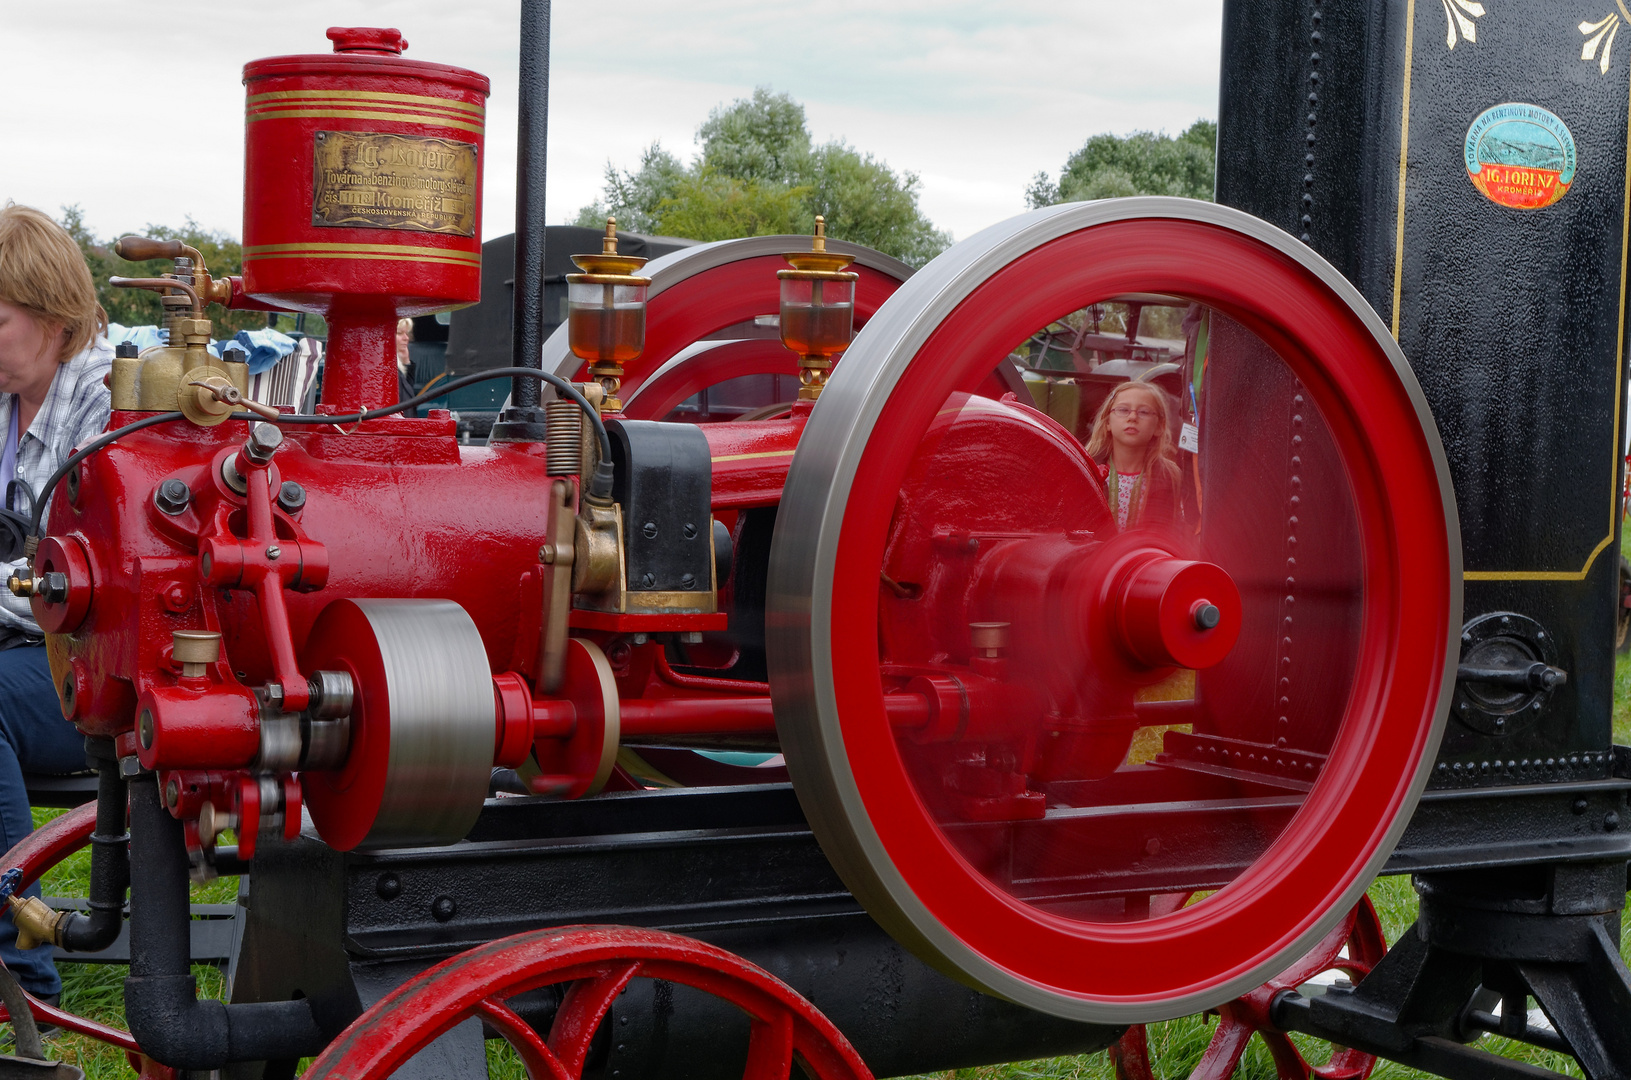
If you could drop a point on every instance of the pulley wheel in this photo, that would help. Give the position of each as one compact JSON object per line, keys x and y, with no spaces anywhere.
{"x":422,"y":724}
{"x":1027,"y":688}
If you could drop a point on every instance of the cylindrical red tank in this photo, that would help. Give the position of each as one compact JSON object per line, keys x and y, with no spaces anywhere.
{"x":362,"y":179}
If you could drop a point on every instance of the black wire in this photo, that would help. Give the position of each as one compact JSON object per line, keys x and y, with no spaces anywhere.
{"x":86,"y":451}
{"x":454,"y":384}
{"x":599,"y":485}
{"x":13,"y":535}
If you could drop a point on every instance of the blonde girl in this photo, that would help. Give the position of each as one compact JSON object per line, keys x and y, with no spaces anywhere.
{"x":1132,"y":440}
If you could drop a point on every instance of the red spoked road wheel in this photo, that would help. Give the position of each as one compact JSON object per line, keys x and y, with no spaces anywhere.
{"x":1353,"y":947}
{"x":599,"y":962}
{"x":1293,"y":649}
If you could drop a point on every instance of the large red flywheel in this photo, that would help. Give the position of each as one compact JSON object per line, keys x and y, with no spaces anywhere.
{"x":1234,"y":697}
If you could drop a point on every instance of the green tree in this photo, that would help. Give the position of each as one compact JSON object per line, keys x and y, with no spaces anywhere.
{"x":759,"y":173}
{"x":223,"y":256}
{"x":1143,"y":163}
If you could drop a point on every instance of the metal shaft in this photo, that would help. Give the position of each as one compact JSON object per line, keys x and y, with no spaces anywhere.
{"x":531,"y":157}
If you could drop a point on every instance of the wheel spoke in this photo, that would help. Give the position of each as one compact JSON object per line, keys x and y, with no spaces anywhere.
{"x":1321,"y":957}
{"x":1131,"y":1055}
{"x":770,"y":1048}
{"x":1346,"y":1064}
{"x":1223,"y":1053}
{"x":582,"y":1010}
{"x":541,"y":1062}
{"x":1288,"y":1063}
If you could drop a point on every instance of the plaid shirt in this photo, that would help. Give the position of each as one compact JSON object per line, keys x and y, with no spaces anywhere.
{"x":75,"y":411}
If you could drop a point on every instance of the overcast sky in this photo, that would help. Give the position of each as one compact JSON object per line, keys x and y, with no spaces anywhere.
{"x":133,"y":110}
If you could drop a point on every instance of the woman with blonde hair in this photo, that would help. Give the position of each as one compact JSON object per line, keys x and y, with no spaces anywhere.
{"x":53,"y":361}
{"x":1131,"y":441}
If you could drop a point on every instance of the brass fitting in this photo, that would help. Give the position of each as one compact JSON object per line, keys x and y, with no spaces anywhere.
{"x":598,"y":550}
{"x":37,"y":922}
{"x":195,"y":650}
{"x":20,"y":586}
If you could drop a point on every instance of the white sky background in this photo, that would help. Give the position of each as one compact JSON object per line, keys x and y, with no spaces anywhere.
{"x":133,"y":109}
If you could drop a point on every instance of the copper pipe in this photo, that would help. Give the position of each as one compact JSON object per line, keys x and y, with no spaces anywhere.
{"x":157,"y":283}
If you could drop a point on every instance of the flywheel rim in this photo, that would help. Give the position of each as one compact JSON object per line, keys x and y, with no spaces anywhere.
{"x":806,"y":577}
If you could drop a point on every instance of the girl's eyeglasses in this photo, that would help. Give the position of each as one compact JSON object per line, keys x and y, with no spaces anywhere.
{"x":1143,"y":412}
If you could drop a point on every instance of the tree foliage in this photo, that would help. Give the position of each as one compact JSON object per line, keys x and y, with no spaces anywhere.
{"x":1143,"y":163}
{"x":223,"y":255}
{"x":759,"y":173}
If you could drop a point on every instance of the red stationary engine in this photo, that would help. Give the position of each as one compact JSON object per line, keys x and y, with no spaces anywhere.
{"x":1004,"y":714}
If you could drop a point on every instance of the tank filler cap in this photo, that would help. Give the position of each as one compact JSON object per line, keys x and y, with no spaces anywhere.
{"x":377,"y":41}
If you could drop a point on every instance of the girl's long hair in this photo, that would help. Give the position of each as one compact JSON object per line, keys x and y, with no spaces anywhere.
{"x":1161,"y":455}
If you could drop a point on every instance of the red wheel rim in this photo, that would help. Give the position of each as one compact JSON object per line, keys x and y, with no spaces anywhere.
{"x":839,"y":742}
{"x":599,"y":961}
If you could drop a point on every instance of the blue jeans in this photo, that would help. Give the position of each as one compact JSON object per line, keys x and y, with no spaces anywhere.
{"x":33,"y":737}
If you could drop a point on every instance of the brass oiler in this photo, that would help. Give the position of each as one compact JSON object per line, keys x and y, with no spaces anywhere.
{"x":162,"y":378}
{"x":606,"y":314}
{"x":817,"y":309}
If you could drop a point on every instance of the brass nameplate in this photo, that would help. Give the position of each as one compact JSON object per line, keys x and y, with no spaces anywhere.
{"x":394,"y":182}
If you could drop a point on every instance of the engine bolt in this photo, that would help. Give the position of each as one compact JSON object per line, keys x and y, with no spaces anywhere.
{"x":649,"y":530}
{"x":443,"y":908}
{"x":389,"y":886}
{"x":273,"y":551}
{"x":291,"y":497}
{"x":690,"y":531}
{"x":172,"y":792}
{"x":264,"y":439}
{"x":172,"y":496}
{"x":1207,"y":615}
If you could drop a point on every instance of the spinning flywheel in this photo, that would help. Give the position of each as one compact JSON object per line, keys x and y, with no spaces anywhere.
{"x":1117,"y":751}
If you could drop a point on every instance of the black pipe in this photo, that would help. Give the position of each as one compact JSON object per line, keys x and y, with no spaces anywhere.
{"x":110,"y":859}
{"x":161,"y":997}
{"x":524,"y":419}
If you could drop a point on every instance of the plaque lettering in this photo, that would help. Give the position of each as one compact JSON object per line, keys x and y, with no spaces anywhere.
{"x":379,"y":181}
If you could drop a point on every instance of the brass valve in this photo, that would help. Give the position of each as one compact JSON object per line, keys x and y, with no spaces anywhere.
{"x":37,"y":922}
{"x":214,"y":398}
{"x":143,"y":248}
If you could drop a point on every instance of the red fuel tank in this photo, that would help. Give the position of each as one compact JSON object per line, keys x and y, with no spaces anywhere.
{"x":362,"y":180}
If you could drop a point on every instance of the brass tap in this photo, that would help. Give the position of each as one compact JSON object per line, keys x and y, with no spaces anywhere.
{"x":37,"y":922}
